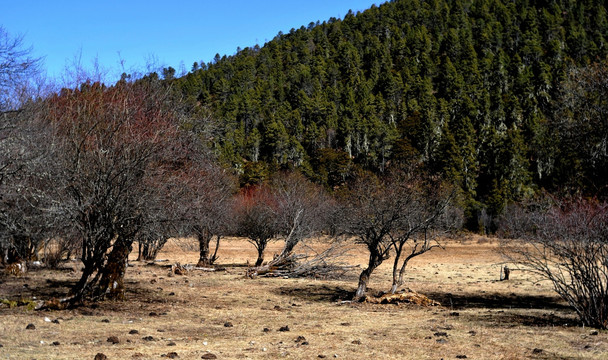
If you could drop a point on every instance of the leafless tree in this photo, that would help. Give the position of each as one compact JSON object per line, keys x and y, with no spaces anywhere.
{"x":395,"y":213}
{"x":256,"y":217}
{"x":209,"y":200}
{"x":566,"y":243}
{"x":303,"y":209}
{"x":25,"y":172}
{"x":118,"y":147}
{"x":18,"y":70}
{"x":428,"y":216}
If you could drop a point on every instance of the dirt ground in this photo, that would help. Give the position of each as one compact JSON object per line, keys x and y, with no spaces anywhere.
{"x":223,"y":314}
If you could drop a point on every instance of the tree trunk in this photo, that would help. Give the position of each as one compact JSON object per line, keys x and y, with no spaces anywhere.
{"x":260,"y":259}
{"x":217,"y":246}
{"x":111,"y":284}
{"x":204,"y":238}
{"x":374,"y":261}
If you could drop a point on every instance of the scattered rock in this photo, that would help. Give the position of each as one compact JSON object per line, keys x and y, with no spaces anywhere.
{"x":56,"y":343}
{"x":537,"y":351}
{"x":100,"y":356}
{"x":56,"y":321}
{"x":113,"y":340}
{"x":133,"y":332}
{"x":171,"y":355}
{"x":171,"y":293}
{"x":30,"y":327}
{"x":345,"y":324}
{"x":284,"y":328}
{"x":266,"y":330}
{"x":461,"y":356}
{"x":137,"y":355}
{"x":1,"y":345}
{"x":171,"y":343}
{"x":209,"y":356}
{"x":473,"y":332}
{"x":228,"y":324}
{"x":441,"y":333}
{"x":442,"y":341}
{"x":356,"y":342}
{"x":152,"y":313}
{"x":105,"y":320}
{"x":148,"y":338}
{"x":160,"y":330}
{"x":320,"y":356}
{"x":454,"y":313}
{"x":304,"y":343}
{"x":594,"y":332}
{"x":300,"y":339}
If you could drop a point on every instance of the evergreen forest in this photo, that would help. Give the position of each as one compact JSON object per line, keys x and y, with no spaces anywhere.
{"x":504,"y":99}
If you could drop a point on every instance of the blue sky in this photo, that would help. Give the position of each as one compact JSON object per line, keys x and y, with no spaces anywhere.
{"x":161,"y":32}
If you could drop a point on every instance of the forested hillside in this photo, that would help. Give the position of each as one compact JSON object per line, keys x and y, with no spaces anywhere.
{"x":487,"y":93}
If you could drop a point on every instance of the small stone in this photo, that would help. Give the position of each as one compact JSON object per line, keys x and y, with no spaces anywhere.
{"x":1,"y":345}
{"x":100,"y":356}
{"x":472,"y":332}
{"x":113,"y":340}
{"x":228,"y":324}
{"x":152,"y":313}
{"x":461,"y":356}
{"x":537,"y":351}
{"x":171,"y":343}
{"x":304,"y":343}
{"x":160,"y":330}
{"x":46,"y":319}
{"x":56,"y":343}
{"x":264,"y":349}
{"x":148,"y":338}
{"x":442,"y":341}
{"x":454,"y":313}
{"x":266,"y":330}
{"x":440,"y":334}
{"x":284,"y":328}
{"x":300,"y":339}
{"x":356,"y":342}
{"x":105,"y":321}
{"x":133,"y":332}
{"x":30,"y":327}
{"x":320,"y":356}
{"x":205,"y":343}
{"x":209,"y":356}
{"x":345,"y":324}
{"x":56,"y":321}
{"x":172,"y":355}
{"x":594,"y":333}
{"x":171,"y":293}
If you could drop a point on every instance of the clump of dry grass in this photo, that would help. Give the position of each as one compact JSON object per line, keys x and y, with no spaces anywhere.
{"x":233,"y":317}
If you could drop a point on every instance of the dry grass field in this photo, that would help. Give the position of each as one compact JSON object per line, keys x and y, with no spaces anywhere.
{"x":224,"y":315}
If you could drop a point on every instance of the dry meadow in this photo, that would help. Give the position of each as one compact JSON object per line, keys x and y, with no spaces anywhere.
{"x":225,"y":315}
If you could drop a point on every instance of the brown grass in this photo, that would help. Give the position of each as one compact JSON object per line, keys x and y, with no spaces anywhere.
{"x":480,"y":317}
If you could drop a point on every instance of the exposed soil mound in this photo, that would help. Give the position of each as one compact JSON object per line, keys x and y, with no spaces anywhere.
{"x":410,"y":297}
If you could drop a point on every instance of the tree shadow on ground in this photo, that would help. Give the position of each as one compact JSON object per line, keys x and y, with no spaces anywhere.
{"x":498,"y":301}
{"x":316,"y":292}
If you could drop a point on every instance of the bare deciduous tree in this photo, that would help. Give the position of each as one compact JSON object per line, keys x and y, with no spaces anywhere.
{"x":397,"y":213}
{"x":17,"y":70}
{"x":256,"y":217}
{"x":117,"y":148}
{"x":567,"y":244}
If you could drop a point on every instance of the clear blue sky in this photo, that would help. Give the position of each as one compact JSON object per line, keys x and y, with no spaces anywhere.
{"x":171,"y":32}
